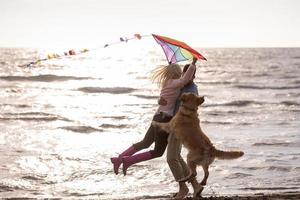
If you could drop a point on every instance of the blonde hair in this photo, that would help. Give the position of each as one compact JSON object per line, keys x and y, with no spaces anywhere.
{"x":164,"y":73}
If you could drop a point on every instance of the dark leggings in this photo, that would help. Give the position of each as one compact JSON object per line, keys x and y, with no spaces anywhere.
{"x":154,"y":134}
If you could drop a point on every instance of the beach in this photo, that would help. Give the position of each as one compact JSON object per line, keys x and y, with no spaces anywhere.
{"x":63,"y":120}
{"x":258,"y":196}
{"x":280,"y":196}
{"x":274,"y":196}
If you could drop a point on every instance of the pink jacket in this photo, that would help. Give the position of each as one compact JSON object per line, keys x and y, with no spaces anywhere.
{"x":171,"y":91}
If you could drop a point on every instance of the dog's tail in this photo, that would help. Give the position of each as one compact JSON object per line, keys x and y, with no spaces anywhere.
{"x":228,"y":155}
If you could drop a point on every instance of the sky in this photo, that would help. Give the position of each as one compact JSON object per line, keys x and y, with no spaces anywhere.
{"x":202,"y":23}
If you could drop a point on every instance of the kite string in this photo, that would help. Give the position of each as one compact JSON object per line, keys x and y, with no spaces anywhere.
{"x":72,"y":52}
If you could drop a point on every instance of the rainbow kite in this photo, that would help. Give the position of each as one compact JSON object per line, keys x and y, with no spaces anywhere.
{"x":174,"y":50}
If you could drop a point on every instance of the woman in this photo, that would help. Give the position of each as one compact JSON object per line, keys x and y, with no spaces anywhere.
{"x":170,"y":80}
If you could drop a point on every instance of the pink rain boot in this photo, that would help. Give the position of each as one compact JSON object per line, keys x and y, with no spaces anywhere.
{"x":117,"y":161}
{"x":130,"y":160}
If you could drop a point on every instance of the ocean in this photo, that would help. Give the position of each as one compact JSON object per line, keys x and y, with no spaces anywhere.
{"x":62,"y":120}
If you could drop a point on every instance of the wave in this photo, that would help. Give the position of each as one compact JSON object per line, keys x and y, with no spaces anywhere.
{"x":271,"y":188}
{"x":251,"y":168}
{"x":271,"y":168}
{"x":273,"y":144}
{"x":115,"y":117}
{"x":29,"y":118}
{"x":114,"y":126}
{"x":148,"y":105}
{"x":242,"y":103}
{"x":76,"y":159}
{"x":296,"y":82}
{"x":146,"y":96}
{"x":5,"y":188}
{"x":226,"y":113}
{"x":290,"y":94}
{"x":32,"y":177}
{"x":215,"y":122}
{"x":49,"y":182}
{"x":8,"y":188}
{"x":32,"y":116}
{"x":290,"y":103}
{"x":216,"y":82}
{"x":279,"y":168}
{"x":76,"y":194}
{"x":16,"y":105}
{"x":238,"y":103}
{"x":142,"y":77}
{"x":297,"y":168}
{"x":238,"y":175}
{"x":267,"y":87}
{"x":81,"y":129}
{"x":43,"y":78}
{"x":114,"y":90}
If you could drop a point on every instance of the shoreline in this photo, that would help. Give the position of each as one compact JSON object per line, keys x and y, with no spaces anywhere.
{"x":262,"y":196}
{"x":258,"y":196}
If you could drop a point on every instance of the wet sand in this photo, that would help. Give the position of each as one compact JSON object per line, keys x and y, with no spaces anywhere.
{"x":275,"y":196}
{"x":259,"y":196}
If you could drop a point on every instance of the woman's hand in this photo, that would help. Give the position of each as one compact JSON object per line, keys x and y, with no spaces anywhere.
{"x":194,"y":60}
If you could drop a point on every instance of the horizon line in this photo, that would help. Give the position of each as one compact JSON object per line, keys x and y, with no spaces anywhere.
{"x":204,"y":47}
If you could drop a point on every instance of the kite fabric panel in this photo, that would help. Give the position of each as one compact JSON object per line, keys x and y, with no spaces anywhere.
{"x":175,"y":50}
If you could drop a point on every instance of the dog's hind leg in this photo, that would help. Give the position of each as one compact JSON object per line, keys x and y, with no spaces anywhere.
{"x":206,"y":174}
{"x":192,"y":167}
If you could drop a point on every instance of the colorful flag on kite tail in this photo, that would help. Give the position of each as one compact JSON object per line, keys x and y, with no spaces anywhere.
{"x":72,"y":52}
{"x":174,"y":50}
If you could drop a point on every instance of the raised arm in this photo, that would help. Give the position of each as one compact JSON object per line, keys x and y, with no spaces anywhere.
{"x":188,"y":75}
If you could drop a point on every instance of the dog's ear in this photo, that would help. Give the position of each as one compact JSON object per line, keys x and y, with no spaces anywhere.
{"x":200,"y":100}
{"x":184,"y":97}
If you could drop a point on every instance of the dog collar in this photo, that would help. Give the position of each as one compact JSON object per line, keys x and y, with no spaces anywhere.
{"x":188,"y":108}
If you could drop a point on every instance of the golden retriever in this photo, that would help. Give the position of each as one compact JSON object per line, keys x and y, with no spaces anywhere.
{"x":186,"y":126}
